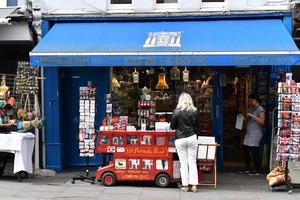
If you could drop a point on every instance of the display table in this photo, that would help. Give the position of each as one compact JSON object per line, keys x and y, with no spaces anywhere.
{"x":20,"y":144}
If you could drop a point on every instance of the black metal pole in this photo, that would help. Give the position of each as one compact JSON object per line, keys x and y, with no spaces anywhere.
{"x":88,"y":166}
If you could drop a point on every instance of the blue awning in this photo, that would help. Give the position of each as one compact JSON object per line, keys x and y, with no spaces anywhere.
{"x":167,"y":43}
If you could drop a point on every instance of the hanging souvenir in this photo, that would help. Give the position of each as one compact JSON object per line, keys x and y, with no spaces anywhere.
{"x":3,"y":88}
{"x":185,"y":75}
{"x":175,"y":74}
{"x":115,"y":83}
{"x":135,"y":76}
{"x":27,"y":79}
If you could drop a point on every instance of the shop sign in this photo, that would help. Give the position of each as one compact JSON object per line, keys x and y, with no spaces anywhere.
{"x":147,"y":151}
{"x":163,"y":39}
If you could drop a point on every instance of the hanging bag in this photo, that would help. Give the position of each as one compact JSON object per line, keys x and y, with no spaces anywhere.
{"x":21,"y":112}
{"x":36,"y":113}
{"x":27,"y":114}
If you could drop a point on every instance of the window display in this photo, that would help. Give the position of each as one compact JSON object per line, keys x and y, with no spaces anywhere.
{"x":146,"y":94}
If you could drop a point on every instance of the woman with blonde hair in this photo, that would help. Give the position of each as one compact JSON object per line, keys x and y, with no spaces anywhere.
{"x":185,"y":121}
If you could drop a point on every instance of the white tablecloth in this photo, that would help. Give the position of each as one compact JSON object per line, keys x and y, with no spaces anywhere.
{"x":21,"y":144}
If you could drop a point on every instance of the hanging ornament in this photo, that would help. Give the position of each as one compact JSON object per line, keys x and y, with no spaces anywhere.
{"x":162,"y":84}
{"x":175,"y":73}
{"x":135,"y":76}
{"x":185,"y":75}
{"x":3,"y":88}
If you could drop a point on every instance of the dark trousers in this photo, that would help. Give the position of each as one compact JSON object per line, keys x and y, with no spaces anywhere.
{"x":254,"y":151}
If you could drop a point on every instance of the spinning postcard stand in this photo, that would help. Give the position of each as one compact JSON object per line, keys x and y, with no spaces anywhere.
{"x":287,"y":138}
{"x":87,"y":135}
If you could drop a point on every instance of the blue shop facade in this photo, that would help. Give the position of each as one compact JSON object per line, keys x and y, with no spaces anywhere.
{"x":75,"y":51}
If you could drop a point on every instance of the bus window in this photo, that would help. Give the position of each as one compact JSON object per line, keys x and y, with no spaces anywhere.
{"x":147,"y":164}
{"x":146,"y":140}
{"x":117,"y":140}
{"x":132,"y":139}
{"x":160,"y":140}
{"x":134,"y":163}
{"x":120,"y":163}
{"x":171,"y":140}
{"x":162,"y":164}
{"x":104,"y":139}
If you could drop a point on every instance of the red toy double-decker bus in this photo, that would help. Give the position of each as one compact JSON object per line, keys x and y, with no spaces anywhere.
{"x":138,"y":156}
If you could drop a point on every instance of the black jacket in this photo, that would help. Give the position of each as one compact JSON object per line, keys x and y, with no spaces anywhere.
{"x":185,"y":122}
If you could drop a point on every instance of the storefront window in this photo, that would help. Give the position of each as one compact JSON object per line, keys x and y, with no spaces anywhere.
{"x":206,"y":1}
{"x":166,"y":1}
{"x":167,"y":4}
{"x":147,"y":104}
{"x":121,"y":1}
{"x":120,"y":5}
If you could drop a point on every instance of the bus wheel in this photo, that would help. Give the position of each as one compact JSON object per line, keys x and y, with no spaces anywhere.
{"x":108,"y":179}
{"x":162,"y":180}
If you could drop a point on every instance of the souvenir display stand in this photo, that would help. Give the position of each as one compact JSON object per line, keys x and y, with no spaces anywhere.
{"x":288,"y":134}
{"x":137,"y":155}
{"x":207,"y":161}
{"x":87,"y":135}
{"x":18,"y":118}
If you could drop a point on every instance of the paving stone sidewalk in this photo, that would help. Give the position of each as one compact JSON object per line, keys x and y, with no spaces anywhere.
{"x":231,"y":186}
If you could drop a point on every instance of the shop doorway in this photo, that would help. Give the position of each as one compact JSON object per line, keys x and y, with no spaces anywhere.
{"x":72,"y":79}
{"x":236,"y":90}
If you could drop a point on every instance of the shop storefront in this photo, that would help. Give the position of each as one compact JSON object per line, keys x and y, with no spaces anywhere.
{"x":219,"y":62}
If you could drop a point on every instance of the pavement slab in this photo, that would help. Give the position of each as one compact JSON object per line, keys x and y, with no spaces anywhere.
{"x":230,"y":186}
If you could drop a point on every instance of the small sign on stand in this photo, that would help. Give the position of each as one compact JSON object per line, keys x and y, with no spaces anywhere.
{"x":206,"y":160}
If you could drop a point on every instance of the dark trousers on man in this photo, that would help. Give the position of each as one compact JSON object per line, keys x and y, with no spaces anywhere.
{"x":254,"y":151}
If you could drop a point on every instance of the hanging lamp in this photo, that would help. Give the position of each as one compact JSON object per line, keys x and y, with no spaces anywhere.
{"x":135,"y":76}
{"x":162,"y":84}
{"x":185,"y":75}
{"x":175,"y":73}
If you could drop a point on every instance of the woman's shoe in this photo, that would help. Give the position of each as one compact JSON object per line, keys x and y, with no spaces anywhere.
{"x":185,"y":189}
{"x":194,"y":188}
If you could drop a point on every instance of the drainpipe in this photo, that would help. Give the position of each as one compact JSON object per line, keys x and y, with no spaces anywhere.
{"x":36,"y":23}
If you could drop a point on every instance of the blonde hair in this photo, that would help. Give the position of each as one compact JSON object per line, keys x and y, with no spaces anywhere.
{"x":185,"y":102}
